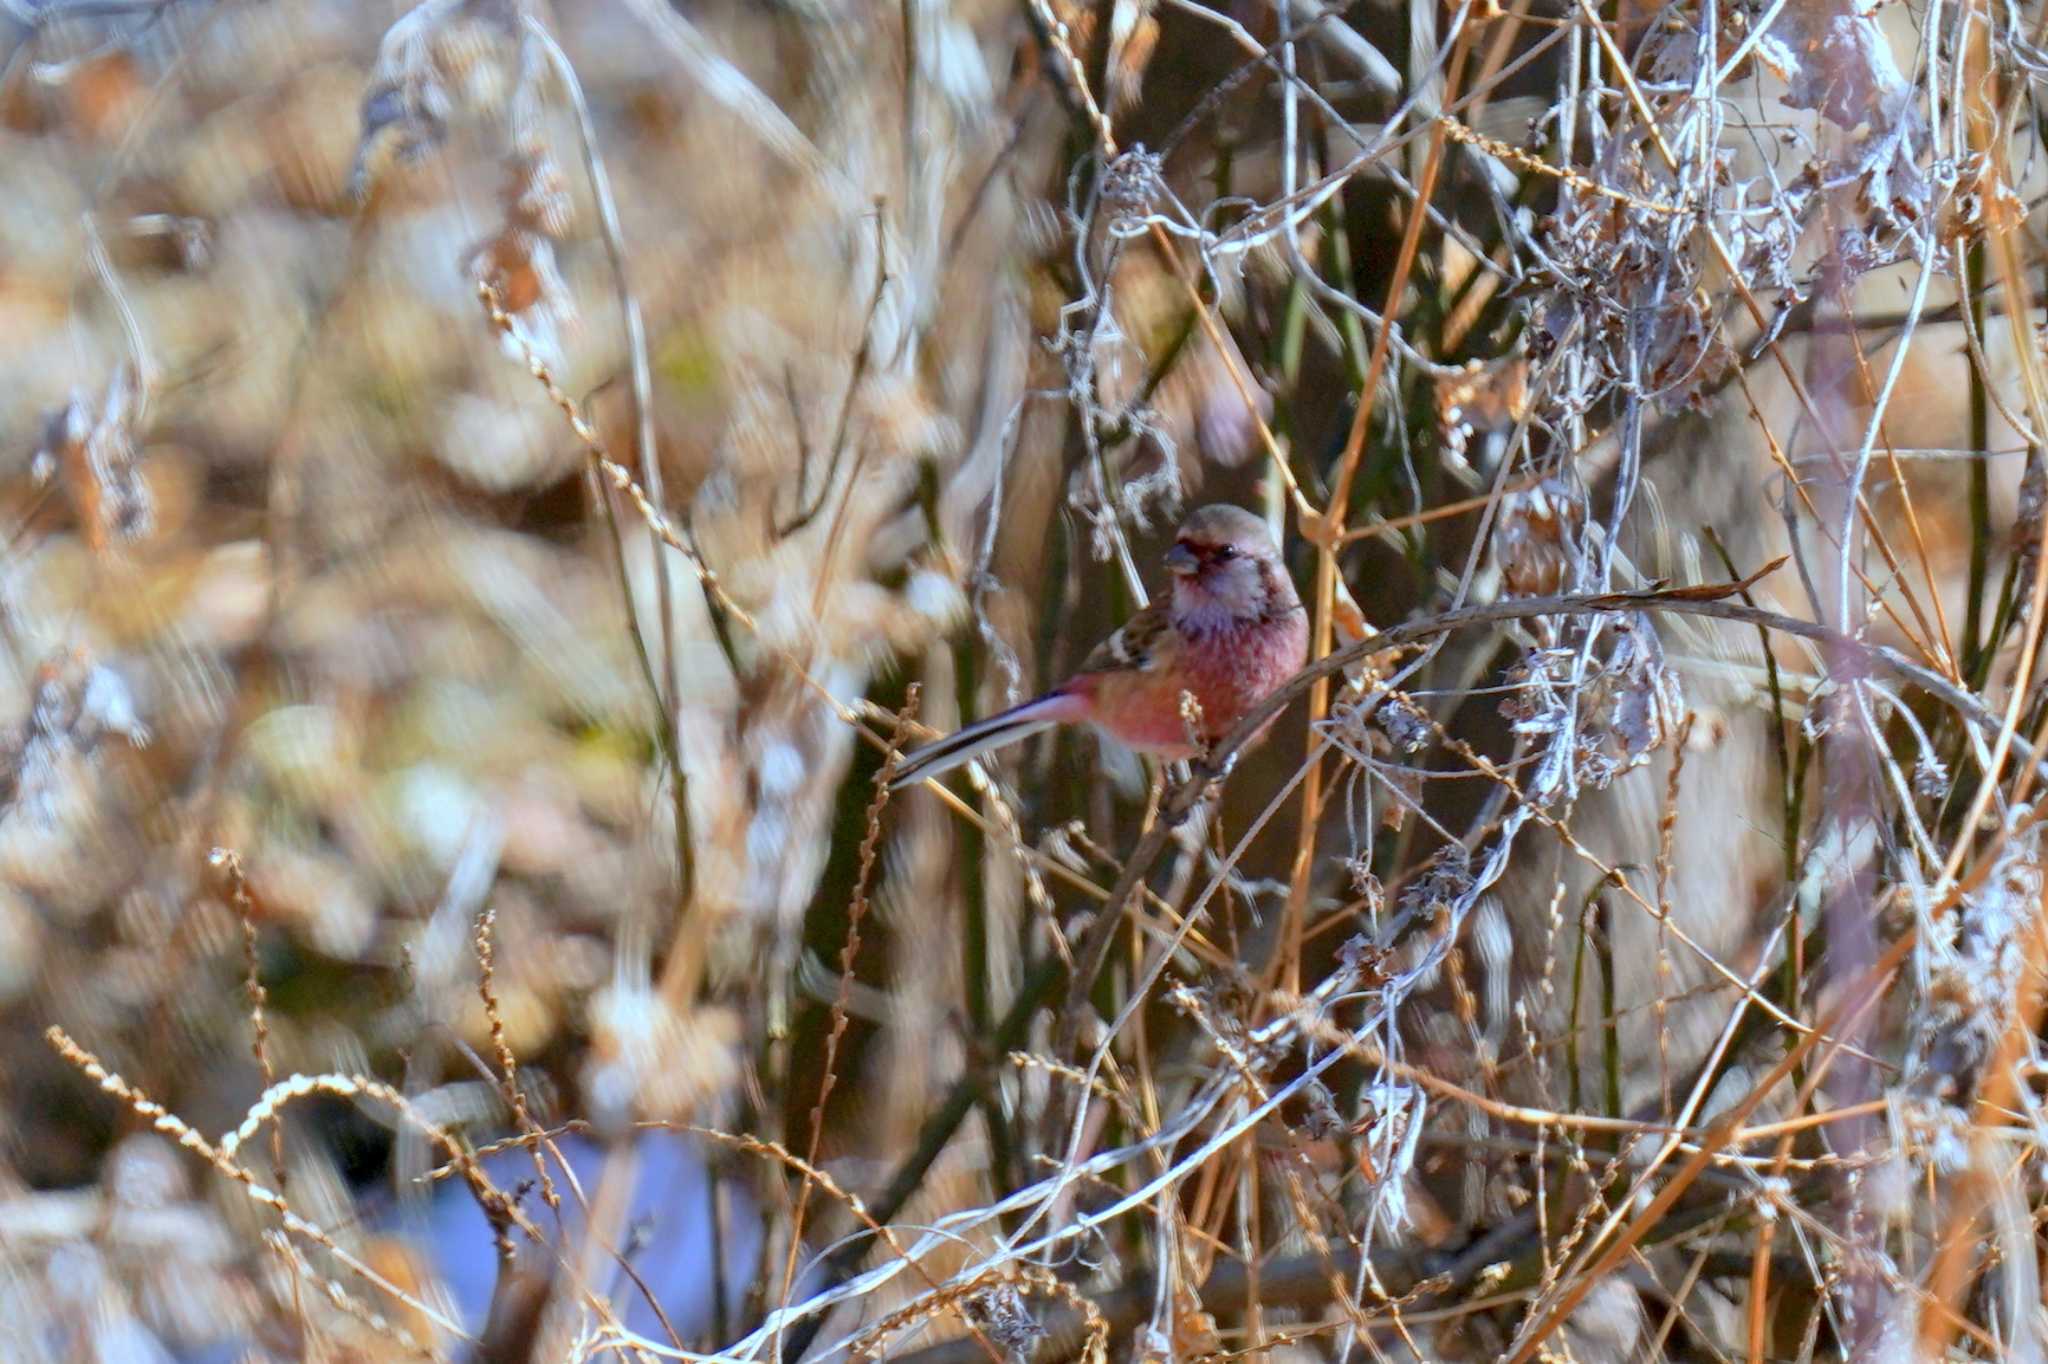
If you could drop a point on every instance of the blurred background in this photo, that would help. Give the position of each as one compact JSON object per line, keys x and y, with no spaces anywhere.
{"x":486,"y":484}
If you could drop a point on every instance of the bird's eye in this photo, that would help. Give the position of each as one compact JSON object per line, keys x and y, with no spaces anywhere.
{"x":1223,"y":553}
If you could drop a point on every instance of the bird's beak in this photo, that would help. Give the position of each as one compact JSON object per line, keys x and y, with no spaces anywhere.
{"x":1181,"y":561}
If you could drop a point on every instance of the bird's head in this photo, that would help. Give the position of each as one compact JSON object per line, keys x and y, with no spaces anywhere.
{"x":1225,"y":568}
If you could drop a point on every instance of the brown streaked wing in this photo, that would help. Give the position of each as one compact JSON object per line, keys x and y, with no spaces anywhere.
{"x":1134,"y":647}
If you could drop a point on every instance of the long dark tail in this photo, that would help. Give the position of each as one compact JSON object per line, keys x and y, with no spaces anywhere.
{"x":964,"y":745}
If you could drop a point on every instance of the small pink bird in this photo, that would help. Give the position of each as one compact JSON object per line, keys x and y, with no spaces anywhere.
{"x":1230,"y":632}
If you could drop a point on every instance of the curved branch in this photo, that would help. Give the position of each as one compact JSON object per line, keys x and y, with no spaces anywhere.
{"x":1691,"y":601}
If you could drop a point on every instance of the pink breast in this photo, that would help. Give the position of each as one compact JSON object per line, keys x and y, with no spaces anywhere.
{"x":1228,"y":672}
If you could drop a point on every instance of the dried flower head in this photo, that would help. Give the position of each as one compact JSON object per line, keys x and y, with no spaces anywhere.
{"x":1487,"y":399}
{"x":90,"y":449}
{"x":1002,"y":1312}
{"x":75,"y":704}
{"x":1537,"y":542}
{"x":441,"y":58}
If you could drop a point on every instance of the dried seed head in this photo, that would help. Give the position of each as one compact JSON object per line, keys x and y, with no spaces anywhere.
{"x":1538,"y":541}
{"x":75,"y":704}
{"x":1483,"y":399}
{"x":91,"y":451}
{"x":1003,"y":1314}
{"x":443,"y":57}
